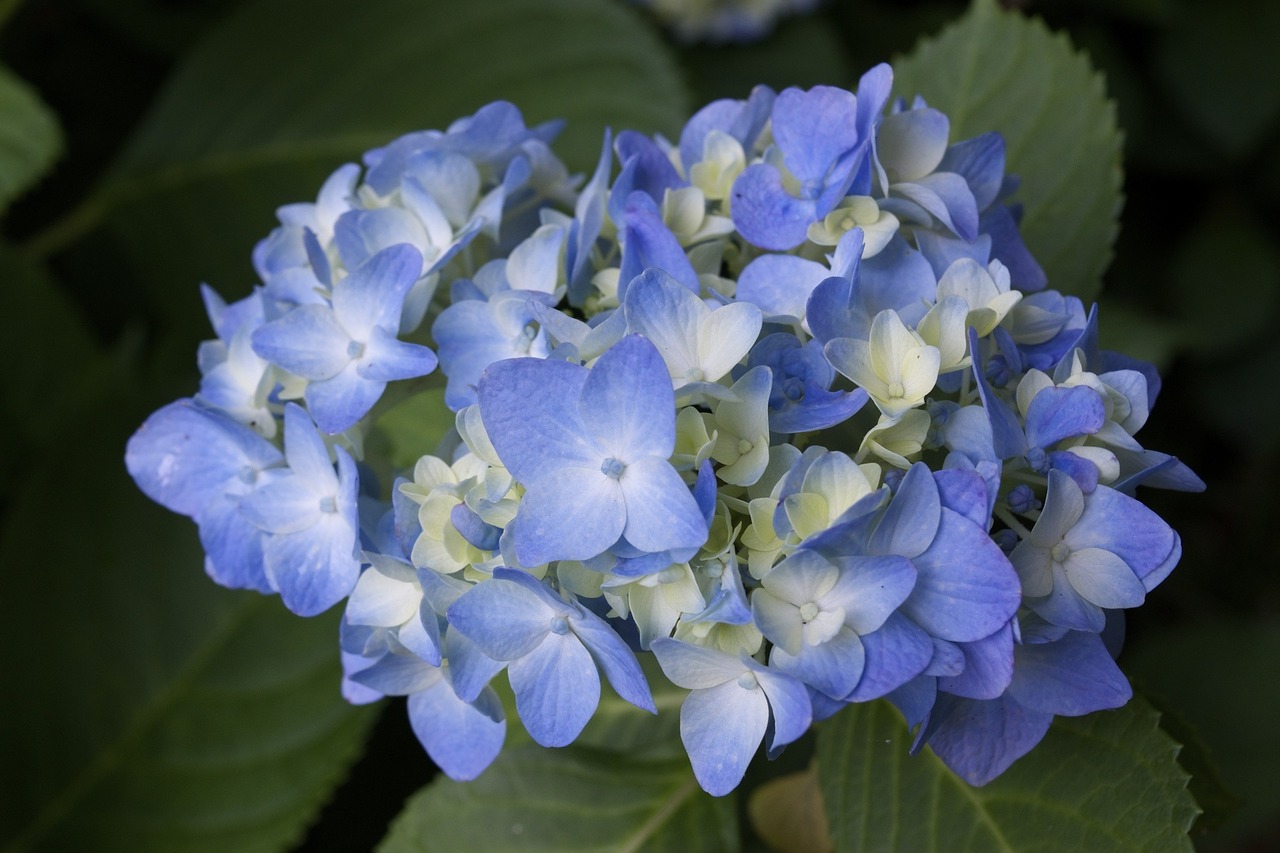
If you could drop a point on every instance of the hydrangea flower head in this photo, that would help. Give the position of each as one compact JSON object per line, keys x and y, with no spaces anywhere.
{"x":788,"y":404}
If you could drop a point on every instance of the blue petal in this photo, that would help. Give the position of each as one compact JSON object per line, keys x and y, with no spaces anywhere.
{"x":788,"y":702}
{"x":338,"y":402}
{"x":503,"y":619}
{"x":183,"y":456}
{"x":474,"y":529}
{"x":1025,"y":273}
{"x":870,"y":589}
{"x":1127,"y":528}
{"x":462,"y":739}
{"x":1072,"y":676}
{"x":645,"y":168}
{"x":1007,"y":437}
{"x":387,"y":359}
{"x":895,"y":654}
{"x":980,"y":161}
{"x":470,"y":669}
{"x":721,"y":728}
{"x":661,"y":513}
{"x":766,"y":214}
{"x":648,"y":242}
{"x":529,"y":414}
{"x":967,"y":589}
{"x":695,"y":667}
{"x":617,"y":661}
{"x":233,"y":546}
{"x":988,"y":667}
{"x":315,"y":568}
{"x":911,"y":520}
{"x":780,"y":284}
{"x":557,"y":689}
{"x":627,"y":403}
{"x":814,"y":130}
{"x":964,"y":492}
{"x":569,"y":514}
{"x":980,"y":739}
{"x":398,"y":675}
{"x":1058,"y":413}
{"x":834,"y":667}
{"x":308,"y":341}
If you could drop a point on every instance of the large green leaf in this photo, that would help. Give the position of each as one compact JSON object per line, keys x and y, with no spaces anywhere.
{"x":995,"y":70}
{"x":1107,"y":781}
{"x":568,"y":800}
{"x":284,"y":91}
{"x":29,"y":137}
{"x":148,"y":709}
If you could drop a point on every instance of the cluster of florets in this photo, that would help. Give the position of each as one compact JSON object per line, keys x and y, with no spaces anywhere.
{"x":784,"y":402}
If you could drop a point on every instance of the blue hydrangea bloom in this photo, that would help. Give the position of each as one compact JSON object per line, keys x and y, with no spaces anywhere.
{"x":661,"y":440}
{"x":309,"y":514}
{"x":591,"y":448}
{"x":552,"y":648}
{"x":347,"y":350}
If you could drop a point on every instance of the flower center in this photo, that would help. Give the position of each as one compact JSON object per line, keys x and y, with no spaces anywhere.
{"x":808,"y":611}
{"x":896,"y":390}
{"x":612,"y":468}
{"x":1060,"y":552}
{"x":355,"y":349}
{"x":329,"y":504}
{"x":747,"y":681}
{"x":559,"y":625}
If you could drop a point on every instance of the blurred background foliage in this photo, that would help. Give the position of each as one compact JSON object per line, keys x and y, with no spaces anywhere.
{"x":153,"y":191}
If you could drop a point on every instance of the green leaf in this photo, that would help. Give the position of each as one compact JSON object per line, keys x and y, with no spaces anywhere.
{"x":995,"y":70}
{"x":412,"y":428}
{"x":285,"y":91}
{"x":149,"y":709}
{"x":29,"y":138}
{"x":49,"y":337}
{"x":566,"y":801}
{"x":1107,"y":781}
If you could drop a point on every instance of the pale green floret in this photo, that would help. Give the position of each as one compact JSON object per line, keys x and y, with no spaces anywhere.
{"x":985,"y":291}
{"x":1034,"y":381}
{"x":731,"y":639}
{"x":946,"y":327}
{"x":832,"y":484}
{"x":693,"y":440}
{"x":656,"y":601}
{"x":437,"y":488}
{"x":575,"y":578}
{"x":684,"y":211}
{"x":761,"y":540}
{"x":470,"y":427}
{"x":605,"y":282}
{"x":723,"y":160}
{"x":741,"y":427}
{"x":897,"y":440}
{"x":857,"y":211}
{"x":896,"y":367}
